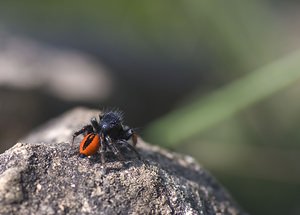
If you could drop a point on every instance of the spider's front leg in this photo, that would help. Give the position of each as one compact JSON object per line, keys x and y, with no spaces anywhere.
{"x":87,"y":129}
{"x":114,"y":148}
{"x":103,"y":148}
{"x":128,"y":145}
{"x":130,"y":134}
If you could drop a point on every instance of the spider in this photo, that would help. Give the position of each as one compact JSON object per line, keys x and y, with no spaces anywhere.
{"x":108,"y":134}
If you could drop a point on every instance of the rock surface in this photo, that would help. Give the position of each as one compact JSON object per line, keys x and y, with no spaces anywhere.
{"x":44,"y":175}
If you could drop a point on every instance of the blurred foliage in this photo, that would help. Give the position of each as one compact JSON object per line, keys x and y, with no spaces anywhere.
{"x":201,"y":114}
{"x":231,"y":31}
{"x":240,"y":115}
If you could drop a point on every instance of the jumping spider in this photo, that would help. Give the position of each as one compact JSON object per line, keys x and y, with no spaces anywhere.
{"x":108,"y":134}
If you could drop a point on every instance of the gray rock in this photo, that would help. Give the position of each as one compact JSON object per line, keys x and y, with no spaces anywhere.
{"x":44,"y":175}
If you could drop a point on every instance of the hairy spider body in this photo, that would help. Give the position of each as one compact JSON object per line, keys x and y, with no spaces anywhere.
{"x":108,"y":134}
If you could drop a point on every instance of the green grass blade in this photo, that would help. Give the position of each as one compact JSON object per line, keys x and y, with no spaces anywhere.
{"x":204,"y":113}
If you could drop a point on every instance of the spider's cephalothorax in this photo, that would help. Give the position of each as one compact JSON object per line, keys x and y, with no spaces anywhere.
{"x":108,"y":134}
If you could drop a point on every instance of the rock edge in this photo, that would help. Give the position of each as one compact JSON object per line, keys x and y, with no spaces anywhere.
{"x":43,"y":175}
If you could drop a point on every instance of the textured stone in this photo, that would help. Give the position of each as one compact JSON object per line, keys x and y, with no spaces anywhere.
{"x":44,"y":175}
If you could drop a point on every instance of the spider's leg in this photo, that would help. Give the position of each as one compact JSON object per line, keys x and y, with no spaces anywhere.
{"x":129,"y":134}
{"x":85,"y":129}
{"x":114,"y":149}
{"x":103,"y":149}
{"x":134,"y":138}
{"x":132,"y":148}
{"x":95,"y":124}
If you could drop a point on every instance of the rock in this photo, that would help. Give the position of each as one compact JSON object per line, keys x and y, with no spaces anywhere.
{"x":43,"y":174}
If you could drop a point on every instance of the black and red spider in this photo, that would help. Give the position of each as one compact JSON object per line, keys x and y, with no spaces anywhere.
{"x":108,"y":134}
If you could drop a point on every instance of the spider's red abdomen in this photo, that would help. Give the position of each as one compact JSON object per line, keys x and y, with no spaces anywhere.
{"x":90,"y":144}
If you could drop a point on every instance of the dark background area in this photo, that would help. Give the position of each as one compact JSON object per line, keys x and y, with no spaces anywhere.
{"x":154,"y":58}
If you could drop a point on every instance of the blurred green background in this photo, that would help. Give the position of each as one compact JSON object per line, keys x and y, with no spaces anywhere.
{"x":219,"y":80}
